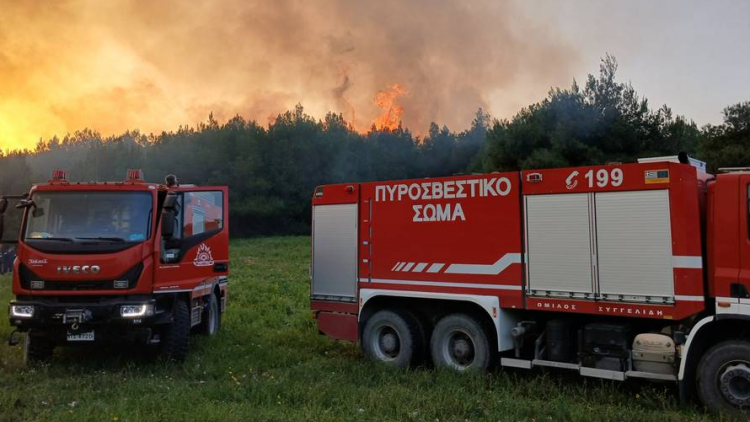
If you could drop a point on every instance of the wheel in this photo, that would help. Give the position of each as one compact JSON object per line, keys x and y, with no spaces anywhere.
{"x":393,"y":337}
{"x":37,"y":348}
{"x":174,"y":345}
{"x":211,"y":319}
{"x":723,"y":377}
{"x":461,"y":343}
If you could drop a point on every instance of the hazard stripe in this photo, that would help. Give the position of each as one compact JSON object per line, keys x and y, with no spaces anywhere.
{"x":483,"y":269}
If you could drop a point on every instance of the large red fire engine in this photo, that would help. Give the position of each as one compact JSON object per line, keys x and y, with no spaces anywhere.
{"x":119,"y":260}
{"x":616,"y":271}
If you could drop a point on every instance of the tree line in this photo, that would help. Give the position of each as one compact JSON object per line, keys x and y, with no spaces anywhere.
{"x":272,"y":170}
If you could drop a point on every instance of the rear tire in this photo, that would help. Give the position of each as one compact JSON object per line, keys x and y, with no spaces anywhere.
{"x":175,"y":338}
{"x":723,"y":378}
{"x":460,"y":342}
{"x":37,"y":348}
{"x":211,"y":320}
{"x":393,"y":337}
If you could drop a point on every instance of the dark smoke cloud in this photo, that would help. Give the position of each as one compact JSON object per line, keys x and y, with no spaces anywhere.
{"x":154,"y":65}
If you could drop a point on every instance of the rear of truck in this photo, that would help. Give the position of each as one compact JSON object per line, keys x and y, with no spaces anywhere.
{"x":95,"y":264}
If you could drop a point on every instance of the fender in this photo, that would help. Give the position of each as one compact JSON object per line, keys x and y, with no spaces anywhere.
{"x":697,"y":327}
{"x":504,"y":320}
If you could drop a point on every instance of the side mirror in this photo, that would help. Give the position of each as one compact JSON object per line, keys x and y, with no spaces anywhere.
{"x":167,"y":223}
{"x":3,"y":205}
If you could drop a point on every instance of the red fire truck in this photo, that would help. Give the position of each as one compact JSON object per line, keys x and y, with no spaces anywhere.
{"x":617,"y":271}
{"x":119,"y":260}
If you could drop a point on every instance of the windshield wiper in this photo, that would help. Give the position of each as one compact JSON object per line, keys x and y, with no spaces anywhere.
{"x":110,"y":239}
{"x":58,"y":239}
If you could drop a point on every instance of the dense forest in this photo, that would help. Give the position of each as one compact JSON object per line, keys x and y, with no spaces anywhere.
{"x":272,"y":171}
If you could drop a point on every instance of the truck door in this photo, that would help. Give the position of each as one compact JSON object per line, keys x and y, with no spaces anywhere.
{"x":197,"y":253}
{"x":741,"y":288}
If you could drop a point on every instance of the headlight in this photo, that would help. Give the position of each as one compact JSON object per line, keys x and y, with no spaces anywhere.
{"x":136,"y":311}
{"x":21,"y":311}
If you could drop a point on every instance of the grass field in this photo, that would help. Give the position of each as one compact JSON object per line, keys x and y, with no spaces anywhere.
{"x":270,"y":364}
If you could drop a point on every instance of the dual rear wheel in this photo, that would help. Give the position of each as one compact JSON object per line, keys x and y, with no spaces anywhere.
{"x":458,"y":341}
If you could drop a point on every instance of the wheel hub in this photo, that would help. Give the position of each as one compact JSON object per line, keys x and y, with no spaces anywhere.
{"x":389,"y":343}
{"x":461,"y":349}
{"x":734,"y":384}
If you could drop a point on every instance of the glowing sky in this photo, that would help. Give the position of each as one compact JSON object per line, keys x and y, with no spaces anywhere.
{"x":125,"y":64}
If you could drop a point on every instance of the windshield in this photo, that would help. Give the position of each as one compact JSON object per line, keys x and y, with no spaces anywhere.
{"x":90,"y":216}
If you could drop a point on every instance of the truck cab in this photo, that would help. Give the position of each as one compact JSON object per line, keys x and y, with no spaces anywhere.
{"x":112,"y":261}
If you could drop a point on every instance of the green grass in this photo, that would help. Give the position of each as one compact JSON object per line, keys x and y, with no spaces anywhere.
{"x":269,"y":363}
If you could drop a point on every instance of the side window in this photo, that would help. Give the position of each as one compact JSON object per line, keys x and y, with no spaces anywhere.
{"x":202,"y":212}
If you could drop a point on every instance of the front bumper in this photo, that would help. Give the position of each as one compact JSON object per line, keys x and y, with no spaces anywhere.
{"x":52,"y":314}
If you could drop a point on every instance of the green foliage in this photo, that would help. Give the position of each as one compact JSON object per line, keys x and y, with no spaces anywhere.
{"x":728,"y":144}
{"x":271,"y":172}
{"x":602,"y":122}
{"x":269,"y":363}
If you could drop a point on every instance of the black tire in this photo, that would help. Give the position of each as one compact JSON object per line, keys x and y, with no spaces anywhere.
{"x":393,"y":337}
{"x":176,"y":335}
{"x":37,"y":348}
{"x":461,"y":343}
{"x":723,"y":378}
{"x":211,"y":318}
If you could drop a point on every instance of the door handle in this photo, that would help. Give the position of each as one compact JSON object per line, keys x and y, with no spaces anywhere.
{"x":221,"y":267}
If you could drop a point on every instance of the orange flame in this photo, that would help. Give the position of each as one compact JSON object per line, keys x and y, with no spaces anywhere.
{"x":387,"y":100}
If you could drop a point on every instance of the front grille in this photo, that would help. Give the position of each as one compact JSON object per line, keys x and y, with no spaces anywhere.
{"x":127,"y":281}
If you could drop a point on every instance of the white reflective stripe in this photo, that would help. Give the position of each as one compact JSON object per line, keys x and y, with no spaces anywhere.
{"x":499,"y":266}
{"x":173,"y":291}
{"x":687,"y":262}
{"x":364,"y":280}
{"x":399,"y":266}
{"x":394,"y":267}
{"x":419,"y":267}
{"x":443,"y":284}
{"x":408,"y":266}
{"x":689,"y":298}
{"x":434,"y":268}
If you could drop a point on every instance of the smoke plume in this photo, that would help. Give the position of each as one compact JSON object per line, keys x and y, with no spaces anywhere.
{"x":155,"y":65}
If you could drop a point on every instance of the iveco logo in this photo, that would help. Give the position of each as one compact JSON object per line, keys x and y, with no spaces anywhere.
{"x":78,"y":269}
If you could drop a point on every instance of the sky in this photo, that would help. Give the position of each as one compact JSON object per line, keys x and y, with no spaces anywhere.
{"x":154,"y":66}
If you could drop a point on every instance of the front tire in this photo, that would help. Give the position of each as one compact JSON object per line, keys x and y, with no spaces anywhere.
{"x":460,"y":342}
{"x":211,"y":320}
{"x":37,"y":348}
{"x":176,"y":335}
{"x":723,"y":378}
{"x":393,"y":337}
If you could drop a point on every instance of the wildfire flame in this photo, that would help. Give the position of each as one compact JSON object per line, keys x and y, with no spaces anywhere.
{"x":391,"y":110}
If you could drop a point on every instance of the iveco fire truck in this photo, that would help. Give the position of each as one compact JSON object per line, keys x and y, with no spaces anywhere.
{"x":616,"y":271}
{"x":119,"y":261}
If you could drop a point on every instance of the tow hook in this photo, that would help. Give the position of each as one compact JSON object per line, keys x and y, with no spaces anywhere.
{"x":13,"y":338}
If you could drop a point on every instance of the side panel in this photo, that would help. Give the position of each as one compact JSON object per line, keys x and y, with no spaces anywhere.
{"x":634,"y":244}
{"x":335,"y":250}
{"x":559,"y":243}
{"x":453,"y":235}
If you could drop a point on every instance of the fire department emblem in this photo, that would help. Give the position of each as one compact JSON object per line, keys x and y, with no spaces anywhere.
{"x":203,"y":258}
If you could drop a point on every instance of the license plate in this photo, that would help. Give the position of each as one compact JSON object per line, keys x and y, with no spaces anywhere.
{"x":81,"y":336}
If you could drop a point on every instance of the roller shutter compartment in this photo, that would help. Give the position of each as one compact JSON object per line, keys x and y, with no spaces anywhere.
{"x":634,"y":245}
{"x":558,"y":237}
{"x":334,"y":270}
